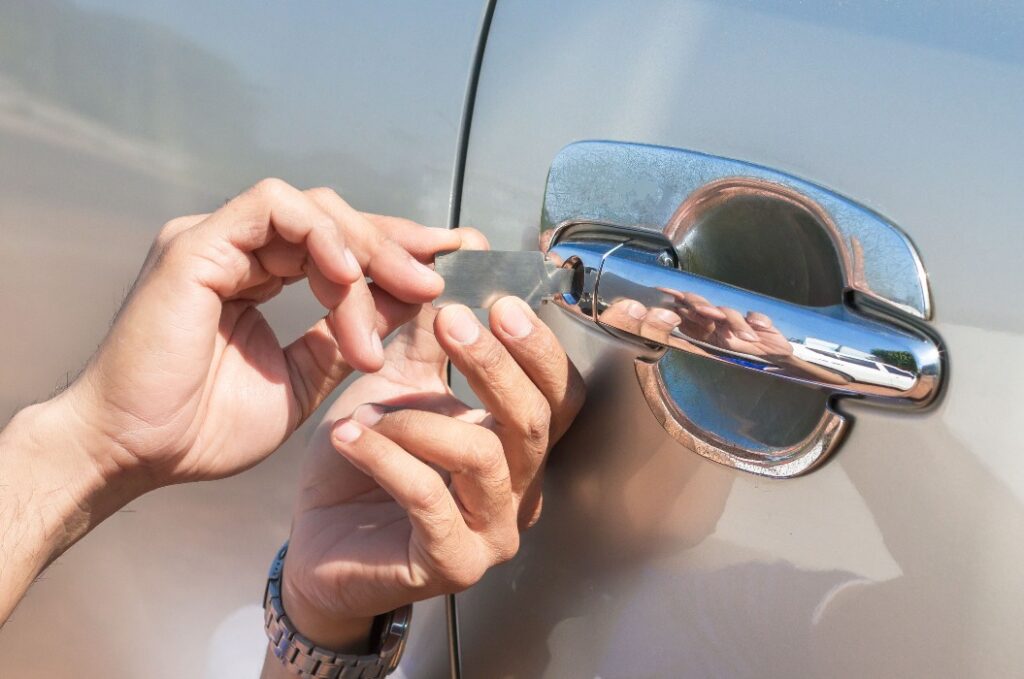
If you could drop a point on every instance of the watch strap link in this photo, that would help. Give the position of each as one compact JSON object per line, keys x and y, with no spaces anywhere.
{"x":306,"y":660}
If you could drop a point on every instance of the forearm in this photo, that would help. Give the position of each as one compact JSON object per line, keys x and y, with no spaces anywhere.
{"x":51,"y":493}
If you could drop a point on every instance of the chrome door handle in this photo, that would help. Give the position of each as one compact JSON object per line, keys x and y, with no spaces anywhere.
{"x":668,"y":229}
{"x":831,"y":347}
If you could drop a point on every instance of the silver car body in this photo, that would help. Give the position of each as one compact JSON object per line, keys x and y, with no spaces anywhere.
{"x":896,"y":558}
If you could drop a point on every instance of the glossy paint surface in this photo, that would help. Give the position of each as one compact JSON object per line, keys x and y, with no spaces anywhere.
{"x":899,"y":556}
{"x":116,"y":116}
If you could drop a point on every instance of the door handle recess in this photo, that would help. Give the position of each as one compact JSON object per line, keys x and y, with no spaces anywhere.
{"x":831,"y":347}
{"x":759,"y":301}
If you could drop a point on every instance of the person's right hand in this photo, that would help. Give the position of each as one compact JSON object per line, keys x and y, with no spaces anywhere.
{"x":412,"y":493}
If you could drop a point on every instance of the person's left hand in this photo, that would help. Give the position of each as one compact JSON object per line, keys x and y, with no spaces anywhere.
{"x":413,"y":493}
{"x":192,"y":383}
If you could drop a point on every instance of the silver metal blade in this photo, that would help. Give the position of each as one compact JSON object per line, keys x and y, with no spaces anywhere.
{"x":479,"y":278}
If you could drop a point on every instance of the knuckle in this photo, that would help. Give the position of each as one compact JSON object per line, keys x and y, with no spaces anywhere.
{"x":430,"y":496}
{"x":536,"y":424}
{"x":270,"y":188}
{"x":484,"y":452}
{"x":170,"y":230}
{"x":490,"y":356}
{"x":547,"y":346}
{"x":175,"y":247}
{"x":404,"y":425}
{"x":323,"y":193}
{"x":507,"y":547}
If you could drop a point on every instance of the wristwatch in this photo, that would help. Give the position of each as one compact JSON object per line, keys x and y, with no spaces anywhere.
{"x":308,"y":661}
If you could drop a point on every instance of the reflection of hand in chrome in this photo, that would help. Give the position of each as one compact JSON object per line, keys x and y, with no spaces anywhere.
{"x":719,"y":326}
{"x":698,"y":315}
{"x":725,"y":327}
{"x":753,"y":334}
{"x":633,"y":317}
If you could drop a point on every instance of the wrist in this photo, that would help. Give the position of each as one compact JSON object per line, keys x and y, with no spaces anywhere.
{"x":339,"y":633}
{"x":52,"y":492}
{"x":54,"y":455}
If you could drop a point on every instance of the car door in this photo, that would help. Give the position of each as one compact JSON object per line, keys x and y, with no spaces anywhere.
{"x":893,"y":557}
{"x":118,"y":115}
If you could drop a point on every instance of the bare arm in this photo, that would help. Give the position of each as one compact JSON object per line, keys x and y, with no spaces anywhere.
{"x":51,"y":492}
{"x":191,"y":383}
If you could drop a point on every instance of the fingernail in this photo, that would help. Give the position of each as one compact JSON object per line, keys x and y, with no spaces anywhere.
{"x":513,"y":319}
{"x":462,"y":326}
{"x":351,"y":262}
{"x":665,"y":316}
{"x":368,"y":414}
{"x":749,"y":336}
{"x":636,"y":310}
{"x":347,"y":432}
{"x":376,"y":346}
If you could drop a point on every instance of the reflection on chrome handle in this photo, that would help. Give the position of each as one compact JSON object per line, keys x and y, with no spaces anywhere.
{"x":633,"y":288}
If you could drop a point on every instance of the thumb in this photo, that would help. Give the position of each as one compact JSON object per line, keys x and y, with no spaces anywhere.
{"x":415,"y":356}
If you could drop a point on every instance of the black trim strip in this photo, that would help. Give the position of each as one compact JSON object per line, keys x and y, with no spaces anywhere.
{"x":454,"y":214}
{"x":455,"y":198}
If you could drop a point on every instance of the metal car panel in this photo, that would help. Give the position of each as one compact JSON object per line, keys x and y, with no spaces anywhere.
{"x":118,"y":115}
{"x":897,"y":557}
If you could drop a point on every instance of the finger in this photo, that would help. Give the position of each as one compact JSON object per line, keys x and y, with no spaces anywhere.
{"x":758,"y":321}
{"x":540,"y":355}
{"x":422,"y":242}
{"x":177,"y":226}
{"x":436,"y":520}
{"x":422,"y":358}
{"x":699,"y":317}
{"x":260,"y":293}
{"x":659,"y":323}
{"x":273,"y":207}
{"x":283,"y":259}
{"x":703,"y":307}
{"x":677,"y":295}
{"x":166,"y":234}
{"x":521,"y":414}
{"x":737,"y":325}
{"x":471,"y":454}
{"x":316,"y":364}
{"x":472,"y":239}
{"x":625,"y":314}
{"x":389,"y":264}
{"x":351,"y":320}
{"x":351,"y":314}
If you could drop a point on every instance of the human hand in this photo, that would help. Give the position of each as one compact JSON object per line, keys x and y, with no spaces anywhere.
{"x":722,"y":326}
{"x":192,"y":383}
{"x":414,"y":493}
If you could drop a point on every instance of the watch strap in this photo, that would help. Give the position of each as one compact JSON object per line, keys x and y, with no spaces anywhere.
{"x":308,"y":661}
